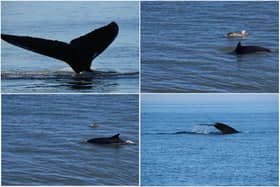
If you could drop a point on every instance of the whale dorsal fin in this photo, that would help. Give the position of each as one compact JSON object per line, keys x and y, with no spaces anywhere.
{"x":238,"y":46}
{"x":116,"y":136}
{"x":79,"y":53}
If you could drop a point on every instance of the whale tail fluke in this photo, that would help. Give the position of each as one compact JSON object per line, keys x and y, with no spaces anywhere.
{"x":79,"y":53}
{"x":51,"y":48}
{"x":225,"y":129}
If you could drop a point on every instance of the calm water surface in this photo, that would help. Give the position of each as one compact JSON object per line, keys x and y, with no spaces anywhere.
{"x":43,"y":135}
{"x":25,"y":71}
{"x":205,"y":157}
{"x":184,"y":48}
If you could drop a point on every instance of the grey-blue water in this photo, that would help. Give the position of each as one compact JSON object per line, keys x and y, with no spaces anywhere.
{"x":206,"y":157}
{"x":184,"y":48}
{"x":43,"y":140}
{"x":117,"y":67}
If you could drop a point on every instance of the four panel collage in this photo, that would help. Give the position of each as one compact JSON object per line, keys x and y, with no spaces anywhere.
{"x":140,"y":93}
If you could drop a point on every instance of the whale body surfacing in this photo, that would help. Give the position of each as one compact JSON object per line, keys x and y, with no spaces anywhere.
{"x":79,"y":53}
{"x":109,"y":140}
{"x":249,"y":49}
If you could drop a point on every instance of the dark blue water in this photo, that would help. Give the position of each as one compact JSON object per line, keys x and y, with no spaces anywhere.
{"x":43,"y":140}
{"x":25,"y":71}
{"x":184,"y":48}
{"x":206,"y":157}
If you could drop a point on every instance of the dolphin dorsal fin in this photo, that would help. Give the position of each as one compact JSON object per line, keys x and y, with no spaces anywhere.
{"x":116,"y":136}
{"x":238,"y":46}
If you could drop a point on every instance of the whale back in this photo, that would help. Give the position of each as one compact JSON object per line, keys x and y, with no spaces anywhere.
{"x":107,"y":140}
{"x":249,"y":49}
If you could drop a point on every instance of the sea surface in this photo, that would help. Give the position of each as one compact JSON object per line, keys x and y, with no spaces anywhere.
{"x":203,"y":156}
{"x":117,"y":67}
{"x":43,"y":140}
{"x":184,"y":48}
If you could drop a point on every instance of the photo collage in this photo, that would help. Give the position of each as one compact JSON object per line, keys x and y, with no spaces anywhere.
{"x":140,"y":93}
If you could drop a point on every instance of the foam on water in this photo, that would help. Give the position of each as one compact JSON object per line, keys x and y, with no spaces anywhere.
{"x":199,"y":129}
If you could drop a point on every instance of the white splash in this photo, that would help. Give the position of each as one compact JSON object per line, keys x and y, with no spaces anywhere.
{"x":129,"y":142}
{"x":199,"y":129}
{"x":83,"y":75}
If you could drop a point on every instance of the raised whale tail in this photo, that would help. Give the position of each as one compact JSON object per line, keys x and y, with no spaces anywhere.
{"x":225,"y":129}
{"x":79,"y":53}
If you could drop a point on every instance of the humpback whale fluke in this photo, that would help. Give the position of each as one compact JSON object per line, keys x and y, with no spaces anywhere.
{"x":249,"y":49}
{"x":225,"y":129}
{"x":109,"y":140}
{"x":79,"y":53}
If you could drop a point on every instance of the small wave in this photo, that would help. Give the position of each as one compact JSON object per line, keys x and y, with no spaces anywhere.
{"x":10,"y":75}
{"x":43,"y":75}
{"x":115,"y":73}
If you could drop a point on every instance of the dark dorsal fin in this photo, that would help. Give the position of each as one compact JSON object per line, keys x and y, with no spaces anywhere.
{"x":238,"y":47}
{"x":225,"y":129}
{"x":78,"y":54}
{"x":116,"y":136}
{"x":239,"y":44}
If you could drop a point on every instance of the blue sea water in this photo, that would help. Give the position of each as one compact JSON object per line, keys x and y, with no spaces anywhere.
{"x":43,"y":140}
{"x":184,"y":48}
{"x":25,"y":71}
{"x":204,"y":157}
